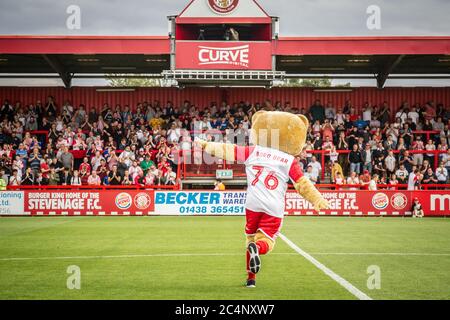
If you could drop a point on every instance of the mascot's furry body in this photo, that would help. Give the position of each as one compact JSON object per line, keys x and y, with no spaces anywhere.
{"x":277,"y":137}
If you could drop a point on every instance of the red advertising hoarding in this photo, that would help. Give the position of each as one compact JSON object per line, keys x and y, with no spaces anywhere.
{"x":196,"y":202}
{"x":236,"y":55}
{"x":373,"y":203}
{"x":89,"y":202}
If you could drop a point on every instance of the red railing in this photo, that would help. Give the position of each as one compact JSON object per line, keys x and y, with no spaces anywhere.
{"x":208,"y":170}
{"x":379,"y":186}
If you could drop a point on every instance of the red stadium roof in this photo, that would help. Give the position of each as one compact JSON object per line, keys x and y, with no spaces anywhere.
{"x":69,"y":56}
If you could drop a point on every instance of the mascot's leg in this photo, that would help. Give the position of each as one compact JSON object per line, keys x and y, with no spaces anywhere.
{"x":264,"y":229}
{"x":264,"y":243}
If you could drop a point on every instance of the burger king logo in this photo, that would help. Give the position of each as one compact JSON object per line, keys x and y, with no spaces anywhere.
{"x":223,"y":6}
{"x":380,"y":201}
{"x":399,"y":201}
{"x":123,"y":201}
{"x":142,"y":201}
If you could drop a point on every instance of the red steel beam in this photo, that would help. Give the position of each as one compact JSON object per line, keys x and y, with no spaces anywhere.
{"x":294,"y":46}
{"x":84,"y":45}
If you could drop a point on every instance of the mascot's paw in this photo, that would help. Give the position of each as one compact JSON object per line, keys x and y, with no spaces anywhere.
{"x":201,"y":143}
{"x":321,"y":205}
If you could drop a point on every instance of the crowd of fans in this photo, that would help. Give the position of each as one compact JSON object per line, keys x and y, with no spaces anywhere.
{"x":379,"y":150}
{"x":140,"y":145}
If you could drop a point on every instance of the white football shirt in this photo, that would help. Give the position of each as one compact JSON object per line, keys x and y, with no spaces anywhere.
{"x":268,"y":173}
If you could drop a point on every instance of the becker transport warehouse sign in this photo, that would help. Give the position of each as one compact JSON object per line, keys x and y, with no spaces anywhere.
{"x":148,"y":202}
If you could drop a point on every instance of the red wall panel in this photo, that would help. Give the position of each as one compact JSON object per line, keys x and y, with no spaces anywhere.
{"x":202,"y":97}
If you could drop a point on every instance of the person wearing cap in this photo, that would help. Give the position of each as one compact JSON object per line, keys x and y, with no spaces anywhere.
{"x":417,"y":210}
{"x":365,"y":178}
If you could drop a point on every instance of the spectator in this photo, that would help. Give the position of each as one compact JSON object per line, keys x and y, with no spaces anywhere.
{"x":114,"y":178}
{"x":441,"y":173}
{"x":316,"y":169}
{"x":353,"y":180}
{"x":28,"y":178}
{"x":402,"y":174}
{"x":373,"y":183}
{"x":76,"y":179}
{"x":94,"y":179}
{"x":317,"y":112}
{"x":67,"y":159}
{"x":310,"y":175}
{"x":355,"y":159}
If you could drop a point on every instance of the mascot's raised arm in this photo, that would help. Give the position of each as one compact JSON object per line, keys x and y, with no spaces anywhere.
{"x":270,"y":163}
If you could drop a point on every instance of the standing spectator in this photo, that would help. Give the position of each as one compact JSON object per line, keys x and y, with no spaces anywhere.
{"x":413,"y":179}
{"x":355,"y":159}
{"x":406,"y":160}
{"x":430,"y":146}
{"x":367,"y":158}
{"x":67,"y":159}
{"x":317,"y":112}
{"x":390,"y":163}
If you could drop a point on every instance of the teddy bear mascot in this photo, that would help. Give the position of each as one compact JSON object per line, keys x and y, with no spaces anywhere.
{"x":276,"y":138}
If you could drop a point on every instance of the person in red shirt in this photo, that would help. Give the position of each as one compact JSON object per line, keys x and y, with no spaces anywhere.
{"x":45,"y":169}
{"x":85,"y":166}
{"x":163,"y":165}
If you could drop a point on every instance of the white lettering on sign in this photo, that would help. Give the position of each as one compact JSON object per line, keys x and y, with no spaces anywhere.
{"x":238,"y":56}
{"x":440,"y":200}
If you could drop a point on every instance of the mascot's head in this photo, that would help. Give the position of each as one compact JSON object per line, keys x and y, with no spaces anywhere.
{"x":279,"y":130}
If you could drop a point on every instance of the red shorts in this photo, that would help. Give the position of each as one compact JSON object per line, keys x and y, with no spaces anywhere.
{"x":258,"y":221}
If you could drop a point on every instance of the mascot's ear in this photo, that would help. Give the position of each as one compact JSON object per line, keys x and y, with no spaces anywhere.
{"x":257,"y":114}
{"x":304,"y":120}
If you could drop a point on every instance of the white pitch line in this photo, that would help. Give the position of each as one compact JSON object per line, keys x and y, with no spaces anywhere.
{"x":136,"y":256}
{"x":344,"y":283}
{"x":380,"y":254}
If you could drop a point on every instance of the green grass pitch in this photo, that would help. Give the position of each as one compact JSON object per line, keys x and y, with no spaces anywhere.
{"x":203,"y":258}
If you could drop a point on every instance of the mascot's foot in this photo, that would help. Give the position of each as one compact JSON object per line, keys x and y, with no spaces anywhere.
{"x":251,"y":283}
{"x":255,"y":261}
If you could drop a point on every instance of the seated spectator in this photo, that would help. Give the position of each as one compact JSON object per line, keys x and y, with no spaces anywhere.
{"x":373,"y":183}
{"x":353,"y":180}
{"x":76,"y":179}
{"x":365,"y":178}
{"x":114,"y":177}
{"x":28,"y":178}
{"x":127,"y":180}
{"x":402,"y":174}
{"x":393,"y":181}
{"x":170,"y":177}
{"x":53,"y":177}
{"x":339,"y":180}
{"x":310,"y":175}
{"x":429,"y":177}
{"x":14,"y":180}
{"x":94,"y":179}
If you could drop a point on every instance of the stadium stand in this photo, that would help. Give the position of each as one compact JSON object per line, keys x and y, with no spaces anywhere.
{"x":53,"y":143}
